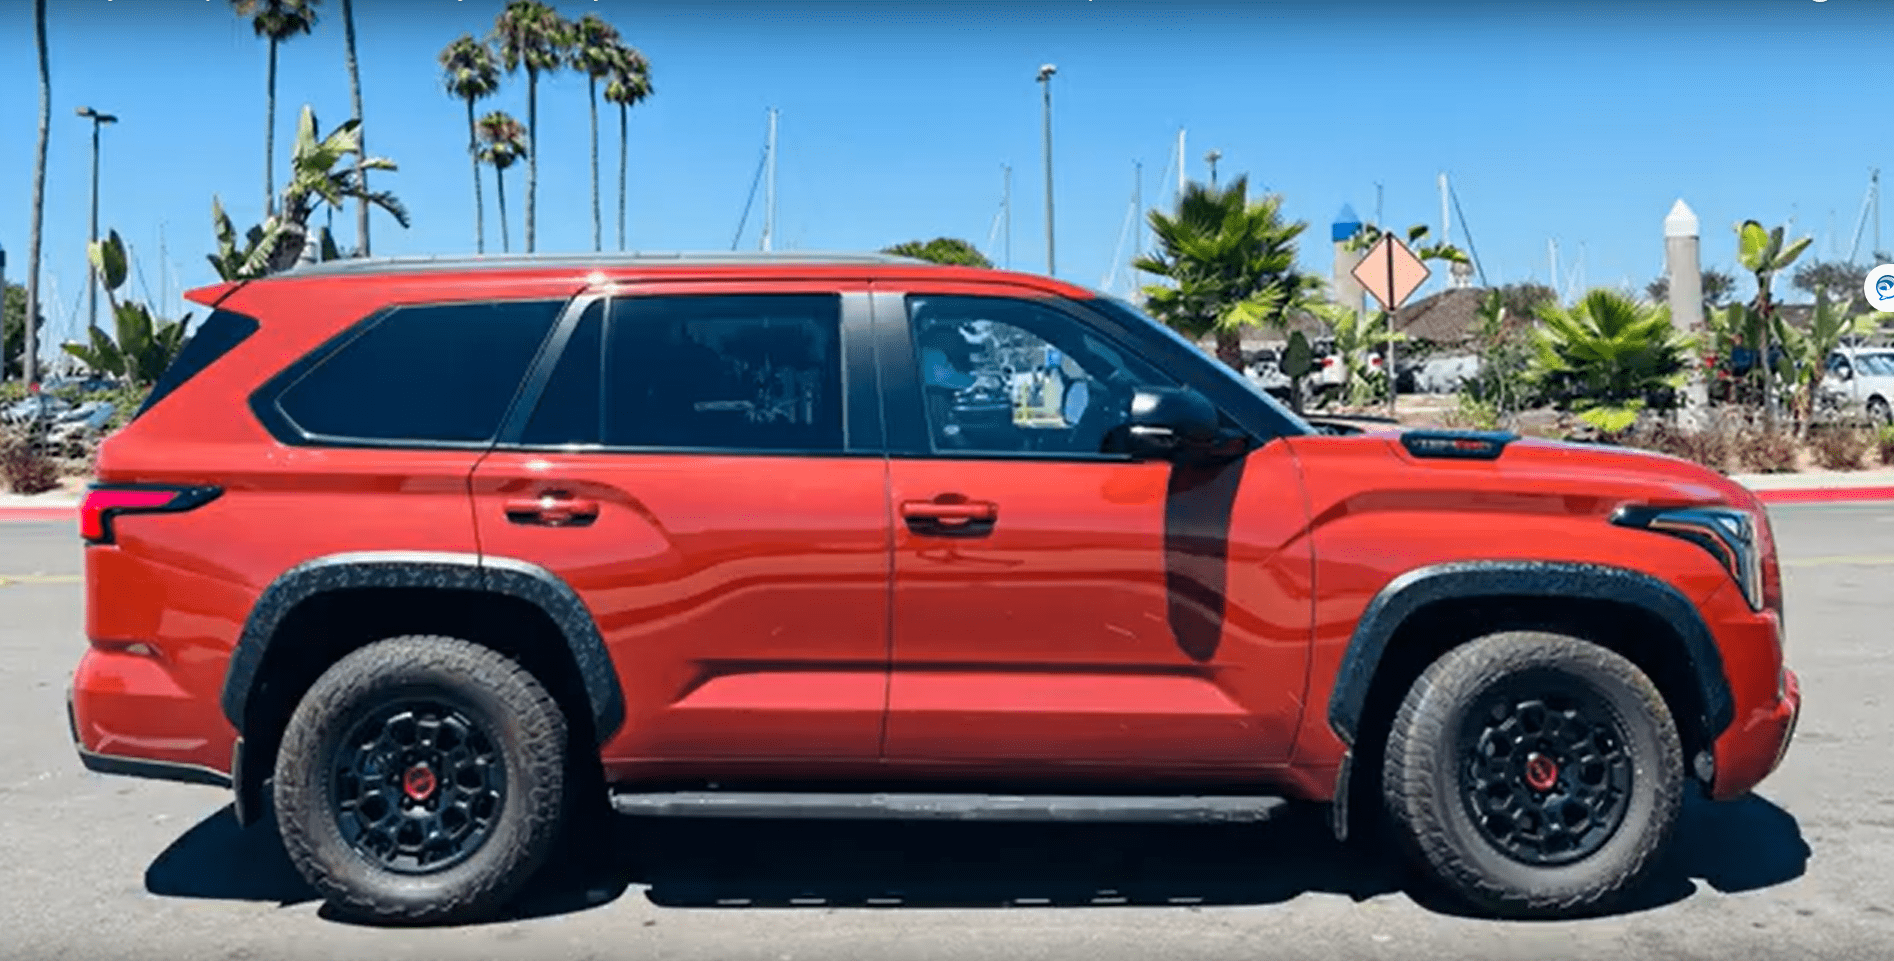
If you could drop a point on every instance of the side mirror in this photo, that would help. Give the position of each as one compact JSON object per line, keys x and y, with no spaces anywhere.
{"x":1845,"y":373}
{"x":1170,"y":424}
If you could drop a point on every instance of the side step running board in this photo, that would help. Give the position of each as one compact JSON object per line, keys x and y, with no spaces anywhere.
{"x":956,"y":807}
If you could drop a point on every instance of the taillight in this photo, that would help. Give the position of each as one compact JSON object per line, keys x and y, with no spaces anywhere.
{"x":104,"y":502}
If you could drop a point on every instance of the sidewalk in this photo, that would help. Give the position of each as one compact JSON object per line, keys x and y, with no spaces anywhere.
{"x":1806,"y":487}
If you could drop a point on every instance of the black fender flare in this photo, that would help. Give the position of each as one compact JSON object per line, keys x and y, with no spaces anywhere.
{"x":394,"y":569}
{"x":1418,"y":588}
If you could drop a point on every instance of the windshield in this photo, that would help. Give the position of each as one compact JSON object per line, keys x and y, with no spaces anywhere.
{"x":1132,"y":312}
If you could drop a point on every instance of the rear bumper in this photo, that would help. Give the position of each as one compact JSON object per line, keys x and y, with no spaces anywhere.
{"x":1755,"y":744}
{"x":139,"y":767}
{"x":128,"y":715}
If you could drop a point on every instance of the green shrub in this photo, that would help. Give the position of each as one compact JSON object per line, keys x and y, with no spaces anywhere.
{"x":1884,"y":442}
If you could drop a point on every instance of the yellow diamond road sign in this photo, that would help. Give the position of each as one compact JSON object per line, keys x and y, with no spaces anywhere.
{"x":1390,"y":285}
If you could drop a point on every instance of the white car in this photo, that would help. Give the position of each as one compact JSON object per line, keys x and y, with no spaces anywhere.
{"x":1863,"y":378}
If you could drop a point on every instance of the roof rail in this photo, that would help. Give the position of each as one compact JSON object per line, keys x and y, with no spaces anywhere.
{"x":378,"y":265}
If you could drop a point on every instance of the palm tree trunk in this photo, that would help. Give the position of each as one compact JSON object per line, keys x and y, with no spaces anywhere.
{"x":1230,"y":348}
{"x":532,"y":150}
{"x":624,"y":139}
{"x":355,"y":96}
{"x":29,"y":362}
{"x":499,"y":186}
{"x":480,"y":207}
{"x":591,"y":89}
{"x":269,"y":138}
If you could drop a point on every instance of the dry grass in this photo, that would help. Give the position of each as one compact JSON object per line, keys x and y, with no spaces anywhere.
{"x":1841,"y":447}
{"x":24,"y":468}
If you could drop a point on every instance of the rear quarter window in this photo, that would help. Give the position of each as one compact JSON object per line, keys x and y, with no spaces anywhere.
{"x":430,"y":374}
{"x":219,"y":334}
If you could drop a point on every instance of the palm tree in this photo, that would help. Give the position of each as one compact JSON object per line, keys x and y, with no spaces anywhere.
{"x":355,"y":99}
{"x":505,"y":142}
{"x":629,"y":86}
{"x":275,"y":21}
{"x":531,"y":35}
{"x":314,"y":179}
{"x":1763,"y":253}
{"x":468,"y":72}
{"x":1608,"y":355}
{"x":29,"y":364}
{"x":595,"y":52}
{"x":1807,"y":349}
{"x":1231,"y":263}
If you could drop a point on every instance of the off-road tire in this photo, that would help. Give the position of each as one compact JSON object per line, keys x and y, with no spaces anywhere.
{"x":1428,"y":768}
{"x":522,"y":722}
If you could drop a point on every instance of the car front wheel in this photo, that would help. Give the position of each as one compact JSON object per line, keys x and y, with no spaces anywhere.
{"x":421,"y":780}
{"x":1534,"y":774}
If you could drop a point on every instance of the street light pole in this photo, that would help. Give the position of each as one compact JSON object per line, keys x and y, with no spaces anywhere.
{"x":92,"y":286}
{"x":1045,"y":81}
{"x":1212,"y":157}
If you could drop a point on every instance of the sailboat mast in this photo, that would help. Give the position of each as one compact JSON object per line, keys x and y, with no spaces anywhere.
{"x":1180,"y":163}
{"x":769,"y":185}
{"x":1006,"y":210}
{"x":1137,"y":214}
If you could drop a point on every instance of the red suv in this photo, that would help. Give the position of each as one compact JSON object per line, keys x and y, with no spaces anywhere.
{"x":437,"y":555}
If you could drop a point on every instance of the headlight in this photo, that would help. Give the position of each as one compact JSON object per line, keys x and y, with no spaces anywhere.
{"x":1728,"y":533}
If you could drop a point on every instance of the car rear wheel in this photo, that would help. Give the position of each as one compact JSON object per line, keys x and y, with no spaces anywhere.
{"x":1879,"y":412}
{"x":1534,"y":774}
{"x":421,"y":780}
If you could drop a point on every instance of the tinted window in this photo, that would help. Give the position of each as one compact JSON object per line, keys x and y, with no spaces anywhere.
{"x":436,"y":373}
{"x":742,"y":373}
{"x":219,"y":334}
{"x":1003,"y":375}
{"x":568,"y":411}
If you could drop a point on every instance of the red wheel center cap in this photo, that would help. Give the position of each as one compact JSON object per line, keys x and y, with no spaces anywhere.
{"x":1541,"y":772}
{"x":418,"y":782}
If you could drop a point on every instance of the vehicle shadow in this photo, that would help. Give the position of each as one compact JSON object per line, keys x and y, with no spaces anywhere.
{"x":1734,"y":846}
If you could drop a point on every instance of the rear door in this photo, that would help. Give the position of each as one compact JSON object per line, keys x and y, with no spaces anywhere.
{"x":1060,"y":607}
{"x":702,"y":464}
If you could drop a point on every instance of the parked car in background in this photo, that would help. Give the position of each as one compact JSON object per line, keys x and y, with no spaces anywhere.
{"x":1862,"y":379}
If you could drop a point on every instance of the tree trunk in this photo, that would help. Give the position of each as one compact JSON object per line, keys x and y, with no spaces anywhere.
{"x":499,"y":187}
{"x":269,"y":138}
{"x":294,"y":237}
{"x":591,"y":90}
{"x":1230,"y":348}
{"x":624,"y":139}
{"x":532,"y":150}
{"x":355,"y":96}
{"x":480,"y":206}
{"x":29,"y":362}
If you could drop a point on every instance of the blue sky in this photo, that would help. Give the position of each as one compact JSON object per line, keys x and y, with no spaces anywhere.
{"x":1578,"y":122}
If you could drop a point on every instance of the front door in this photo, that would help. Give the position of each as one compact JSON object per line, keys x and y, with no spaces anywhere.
{"x":1058,"y":607}
{"x":694,"y":470}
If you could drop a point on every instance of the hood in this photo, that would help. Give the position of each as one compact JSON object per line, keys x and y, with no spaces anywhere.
{"x":1587,"y":478}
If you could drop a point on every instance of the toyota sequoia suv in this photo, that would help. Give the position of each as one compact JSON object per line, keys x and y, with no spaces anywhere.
{"x":429,"y":558}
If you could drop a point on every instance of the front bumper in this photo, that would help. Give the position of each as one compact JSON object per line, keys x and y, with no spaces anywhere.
{"x":1755,"y":744}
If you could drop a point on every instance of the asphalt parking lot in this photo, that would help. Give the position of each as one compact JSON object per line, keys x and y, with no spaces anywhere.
{"x":99,"y":866}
